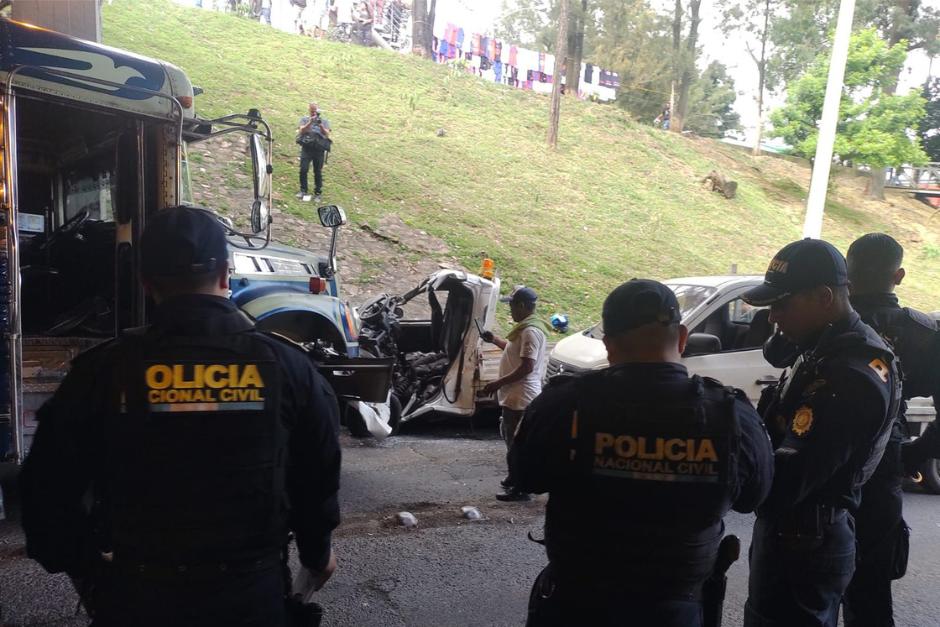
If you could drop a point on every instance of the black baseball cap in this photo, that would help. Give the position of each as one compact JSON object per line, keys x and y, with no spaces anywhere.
{"x":182,"y":241}
{"x":800,"y":265}
{"x":521,"y":294}
{"x":639,"y":302}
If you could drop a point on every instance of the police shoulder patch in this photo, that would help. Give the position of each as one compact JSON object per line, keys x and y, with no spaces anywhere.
{"x":802,"y":420}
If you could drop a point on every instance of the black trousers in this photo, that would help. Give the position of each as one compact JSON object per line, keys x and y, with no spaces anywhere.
{"x":315,"y":157}
{"x":556,"y":602}
{"x":243,"y":599}
{"x":798,"y":581}
{"x":878,"y":523}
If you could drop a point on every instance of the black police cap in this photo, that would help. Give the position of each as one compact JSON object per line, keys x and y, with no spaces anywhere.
{"x":182,"y":241}
{"x":639,"y":302}
{"x":800,"y":265}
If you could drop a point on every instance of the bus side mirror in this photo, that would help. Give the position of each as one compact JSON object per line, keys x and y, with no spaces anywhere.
{"x":260,"y":212}
{"x":331,"y":216}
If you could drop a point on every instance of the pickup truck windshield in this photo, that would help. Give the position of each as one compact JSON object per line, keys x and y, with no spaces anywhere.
{"x":689,"y":297}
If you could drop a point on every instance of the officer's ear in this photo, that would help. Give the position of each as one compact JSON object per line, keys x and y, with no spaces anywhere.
{"x":683,"y":338}
{"x":899,"y":276}
{"x":224,"y":277}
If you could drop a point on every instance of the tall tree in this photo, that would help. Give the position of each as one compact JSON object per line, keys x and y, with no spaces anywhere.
{"x":560,"y":56}
{"x":685,"y":57}
{"x":752,"y":18}
{"x":875,"y":125}
{"x":577,"y":22}
{"x":711,"y":103}
{"x":929,"y":130}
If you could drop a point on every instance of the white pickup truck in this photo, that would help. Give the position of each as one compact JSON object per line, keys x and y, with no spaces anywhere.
{"x":726,"y":336}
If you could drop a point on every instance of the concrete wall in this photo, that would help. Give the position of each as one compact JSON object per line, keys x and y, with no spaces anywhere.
{"x":78,"y":18}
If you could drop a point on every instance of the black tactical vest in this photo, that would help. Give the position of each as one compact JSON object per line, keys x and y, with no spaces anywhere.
{"x":913,"y":337}
{"x":655,"y":474}
{"x":196,"y":451}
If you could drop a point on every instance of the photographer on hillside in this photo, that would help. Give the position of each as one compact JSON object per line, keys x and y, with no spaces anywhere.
{"x":313,"y":137}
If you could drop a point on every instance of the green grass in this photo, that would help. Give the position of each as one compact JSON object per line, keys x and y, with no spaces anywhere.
{"x":616,"y":200}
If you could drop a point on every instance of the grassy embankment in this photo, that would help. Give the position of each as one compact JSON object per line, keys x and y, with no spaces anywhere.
{"x":616,"y":200}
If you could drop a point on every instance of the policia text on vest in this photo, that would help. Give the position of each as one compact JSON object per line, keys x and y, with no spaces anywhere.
{"x":657,"y":459}
{"x":195,"y":386}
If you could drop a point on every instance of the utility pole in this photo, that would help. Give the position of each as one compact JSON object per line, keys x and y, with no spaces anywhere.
{"x":816,"y":202}
{"x":561,"y":45}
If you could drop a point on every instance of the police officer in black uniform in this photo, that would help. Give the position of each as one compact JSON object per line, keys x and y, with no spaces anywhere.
{"x":172,"y":462}
{"x":829,"y":419}
{"x":641,"y":462}
{"x":874,"y":264}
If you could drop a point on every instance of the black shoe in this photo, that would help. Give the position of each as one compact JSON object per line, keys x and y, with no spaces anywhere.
{"x":506,"y":483}
{"x":514,"y":495}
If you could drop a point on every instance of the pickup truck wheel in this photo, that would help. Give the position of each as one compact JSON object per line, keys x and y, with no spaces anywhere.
{"x":355,"y":422}
{"x":931,"y":473}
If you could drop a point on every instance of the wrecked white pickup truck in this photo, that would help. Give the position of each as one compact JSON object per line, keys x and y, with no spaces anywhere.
{"x":433,"y":333}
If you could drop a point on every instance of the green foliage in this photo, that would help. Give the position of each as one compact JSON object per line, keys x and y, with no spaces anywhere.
{"x":874,"y":125}
{"x":616,"y":200}
{"x":929,"y":130}
{"x":802,"y":28}
{"x":711,"y":103}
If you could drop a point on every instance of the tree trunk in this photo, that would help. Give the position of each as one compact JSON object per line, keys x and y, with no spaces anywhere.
{"x":429,"y":31}
{"x":561,"y":43}
{"x":420,"y":44}
{"x":762,"y":79}
{"x":575,"y":50}
{"x":876,"y":186}
{"x":677,"y":124}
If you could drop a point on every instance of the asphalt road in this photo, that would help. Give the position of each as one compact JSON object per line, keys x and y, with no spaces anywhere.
{"x":448,"y":571}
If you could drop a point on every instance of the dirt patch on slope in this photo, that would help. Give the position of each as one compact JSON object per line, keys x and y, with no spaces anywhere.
{"x":373,"y":259}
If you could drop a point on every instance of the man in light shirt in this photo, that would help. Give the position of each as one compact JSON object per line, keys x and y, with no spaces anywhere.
{"x":520,"y":371}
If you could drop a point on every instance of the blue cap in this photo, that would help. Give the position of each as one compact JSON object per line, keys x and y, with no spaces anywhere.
{"x":521,"y":294}
{"x":182,"y":241}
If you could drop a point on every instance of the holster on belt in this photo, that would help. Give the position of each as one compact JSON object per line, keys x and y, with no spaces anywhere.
{"x":714,"y":588}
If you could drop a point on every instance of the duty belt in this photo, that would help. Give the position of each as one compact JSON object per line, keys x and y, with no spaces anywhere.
{"x":808,"y":519}
{"x":196,"y":570}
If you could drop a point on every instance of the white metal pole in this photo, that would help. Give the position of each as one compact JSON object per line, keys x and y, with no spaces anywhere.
{"x":816,"y":202}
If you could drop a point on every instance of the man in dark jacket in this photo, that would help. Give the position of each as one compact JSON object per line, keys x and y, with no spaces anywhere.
{"x":172,"y":462}
{"x":829,"y":419}
{"x":641,"y":463}
{"x":874,"y":264}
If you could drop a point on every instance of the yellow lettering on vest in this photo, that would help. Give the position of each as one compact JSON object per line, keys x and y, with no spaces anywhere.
{"x":212,"y":379}
{"x":671,"y":453}
{"x":179,"y":378}
{"x":159,"y":377}
{"x":706,"y":452}
{"x":656,"y":452}
{"x":153,"y":396}
{"x":251,"y":377}
{"x":631,"y":445}
{"x":602,"y":441}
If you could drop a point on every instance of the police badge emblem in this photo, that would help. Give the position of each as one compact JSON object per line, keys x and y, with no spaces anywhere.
{"x":802,"y":421}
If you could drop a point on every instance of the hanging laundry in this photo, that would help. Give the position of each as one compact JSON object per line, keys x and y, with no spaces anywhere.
{"x":513,"y":56}
{"x":475,"y":46}
{"x":460,"y":39}
{"x":498,"y":70}
{"x":498,"y":51}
